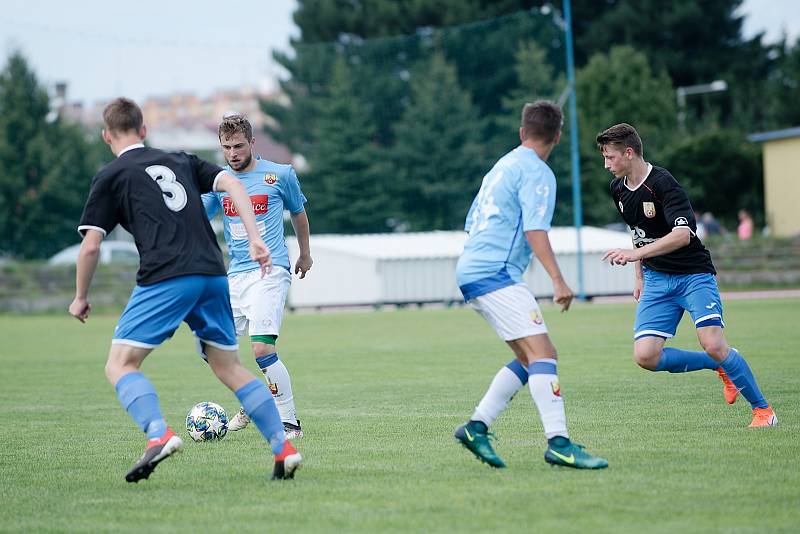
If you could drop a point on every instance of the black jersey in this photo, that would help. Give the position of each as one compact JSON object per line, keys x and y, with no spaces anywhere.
{"x":155,"y":195}
{"x":654,"y":209}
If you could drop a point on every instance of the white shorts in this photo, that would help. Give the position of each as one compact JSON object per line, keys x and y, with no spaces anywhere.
{"x":512,"y":311}
{"x":257,"y":303}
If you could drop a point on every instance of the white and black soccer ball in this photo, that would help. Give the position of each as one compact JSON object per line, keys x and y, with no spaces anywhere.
{"x":207,"y":421}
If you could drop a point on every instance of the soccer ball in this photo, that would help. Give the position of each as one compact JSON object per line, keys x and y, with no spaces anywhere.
{"x":207,"y":421}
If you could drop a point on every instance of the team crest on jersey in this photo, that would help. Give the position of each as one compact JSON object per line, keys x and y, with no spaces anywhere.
{"x":649,"y":209}
{"x":270,"y":178}
{"x":556,"y":388}
{"x":620,"y":207}
{"x":537,"y":319}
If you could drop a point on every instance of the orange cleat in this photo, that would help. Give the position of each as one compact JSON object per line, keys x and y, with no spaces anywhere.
{"x":287,"y":462}
{"x":763,"y":417}
{"x":729,"y":390}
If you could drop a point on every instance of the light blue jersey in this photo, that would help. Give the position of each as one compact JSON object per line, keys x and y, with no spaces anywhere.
{"x":272,"y":188}
{"x":517,"y":195}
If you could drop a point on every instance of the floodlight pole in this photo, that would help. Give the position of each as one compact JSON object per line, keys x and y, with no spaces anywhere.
{"x":573,"y":142}
{"x":682,"y":92}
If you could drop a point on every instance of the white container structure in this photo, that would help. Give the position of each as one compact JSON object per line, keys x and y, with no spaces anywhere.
{"x":416,"y":268}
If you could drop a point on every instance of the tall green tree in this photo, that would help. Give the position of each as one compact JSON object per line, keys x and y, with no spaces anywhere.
{"x":46,"y":166}
{"x":620,"y":86}
{"x":779,"y":101}
{"x":439,"y":158}
{"x":346,"y":186}
{"x":721,"y":171}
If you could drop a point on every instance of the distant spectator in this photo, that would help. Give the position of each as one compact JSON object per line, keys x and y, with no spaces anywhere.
{"x":712,"y":227}
{"x":701,"y":227}
{"x":745,"y":228}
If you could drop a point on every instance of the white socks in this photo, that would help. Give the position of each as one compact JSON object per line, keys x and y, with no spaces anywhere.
{"x":546,"y":393}
{"x":280,"y":385}
{"x":505,"y":384}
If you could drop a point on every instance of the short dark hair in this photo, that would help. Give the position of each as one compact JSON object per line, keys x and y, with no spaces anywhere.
{"x":542,"y":120}
{"x":123,"y":115}
{"x":233,"y":124}
{"x":621,"y":136}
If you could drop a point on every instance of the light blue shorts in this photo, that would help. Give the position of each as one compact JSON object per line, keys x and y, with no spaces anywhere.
{"x":155,"y":311}
{"x":665,"y":297}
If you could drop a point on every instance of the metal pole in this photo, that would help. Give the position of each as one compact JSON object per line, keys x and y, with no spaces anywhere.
{"x":573,"y":141}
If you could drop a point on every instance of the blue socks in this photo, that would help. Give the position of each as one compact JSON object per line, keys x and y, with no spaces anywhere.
{"x":742,"y":377}
{"x":137,"y":395}
{"x":683,"y":361}
{"x":258,"y":403}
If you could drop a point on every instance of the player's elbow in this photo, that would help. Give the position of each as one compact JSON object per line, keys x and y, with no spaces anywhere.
{"x":90,"y":250}
{"x":684,"y":236}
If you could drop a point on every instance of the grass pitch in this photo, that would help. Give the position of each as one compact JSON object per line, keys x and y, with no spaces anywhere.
{"x":379,"y":395}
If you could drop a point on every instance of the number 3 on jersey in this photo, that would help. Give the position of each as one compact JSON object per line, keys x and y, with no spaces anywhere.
{"x":173,"y":192}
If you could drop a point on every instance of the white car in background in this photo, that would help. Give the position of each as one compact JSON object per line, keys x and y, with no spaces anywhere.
{"x":110,"y":252}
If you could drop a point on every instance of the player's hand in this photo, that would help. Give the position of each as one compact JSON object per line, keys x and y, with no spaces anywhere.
{"x":562,"y":294}
{"x":303,"y":265}
{"x":620,"y":256}
{"x":637,"y":289}
{"x":80,"y":309}
{"x":260,"y":254}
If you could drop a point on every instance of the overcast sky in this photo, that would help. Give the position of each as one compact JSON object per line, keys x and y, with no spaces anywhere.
{"x":147,"y":48}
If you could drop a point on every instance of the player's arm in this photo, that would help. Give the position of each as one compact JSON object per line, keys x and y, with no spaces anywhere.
{"x":540,"y":244}
{"x":88,"y":255}
{"x":258,"y":249}
{"x":679,"y":237}
{"x":302,"y":231}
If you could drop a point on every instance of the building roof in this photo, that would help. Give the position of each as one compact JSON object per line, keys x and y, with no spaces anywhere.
{"x":449,"y":244}
{"x":774,"y":135}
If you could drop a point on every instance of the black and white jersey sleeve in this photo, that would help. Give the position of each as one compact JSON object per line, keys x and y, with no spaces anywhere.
{"x":101,"y":209}
{"x":205,"y":172}
{"x":677,"y":209}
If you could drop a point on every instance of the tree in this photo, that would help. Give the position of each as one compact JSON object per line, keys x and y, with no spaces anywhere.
{"x":45,"y":168}
{"x":346,"y":185}
{"x":620,"y":87}
{"x":722,"y":173}
{"x":780,"y":101}
{"x":439,"y":157}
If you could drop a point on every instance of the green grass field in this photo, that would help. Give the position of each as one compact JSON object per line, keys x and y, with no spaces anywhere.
{"x":379,"y":395}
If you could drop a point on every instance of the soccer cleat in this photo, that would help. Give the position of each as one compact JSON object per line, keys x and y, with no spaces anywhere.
{"x":287,"y":462}
{"x":729,"y":388}
{"x":238,"y":421}
{"x":478,"y":442}
{"x":763,"y":417}
{"x":158,"y":449}
{"x":293,"y":431}
{"x":573,"y":455}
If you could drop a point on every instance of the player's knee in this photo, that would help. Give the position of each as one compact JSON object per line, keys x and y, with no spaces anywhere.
{"x":717,"y":349}
{"x":261,"y":349}
{"x":647,"y":359}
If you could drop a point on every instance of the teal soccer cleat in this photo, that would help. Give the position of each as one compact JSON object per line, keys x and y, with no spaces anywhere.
{"x":478,"y":441}
{"x":572,"y":455}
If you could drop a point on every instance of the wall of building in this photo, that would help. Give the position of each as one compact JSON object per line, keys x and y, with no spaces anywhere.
{"x":782,"y":186}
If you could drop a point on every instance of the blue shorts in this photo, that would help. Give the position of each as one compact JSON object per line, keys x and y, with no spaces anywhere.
{"x":155,"y":311}
{"x":665,"y":296}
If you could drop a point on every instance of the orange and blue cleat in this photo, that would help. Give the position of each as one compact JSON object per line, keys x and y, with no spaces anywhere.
{"x":763,"y":417}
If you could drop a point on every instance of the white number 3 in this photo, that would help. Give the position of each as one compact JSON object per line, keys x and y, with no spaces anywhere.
{"x":173,"y":191}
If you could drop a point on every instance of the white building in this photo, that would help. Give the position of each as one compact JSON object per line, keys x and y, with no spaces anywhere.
{"x":412,"y":268}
